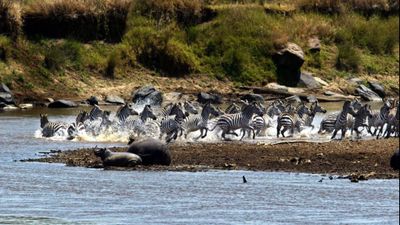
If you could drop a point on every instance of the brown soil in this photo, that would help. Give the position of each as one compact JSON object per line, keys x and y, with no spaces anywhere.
{"x":355,"y":159}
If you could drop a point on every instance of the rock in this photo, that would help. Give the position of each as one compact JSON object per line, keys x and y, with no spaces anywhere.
{"x":367,"y":94}
{"x":7,"y":98}
{"x":395,"y":160}
{"x":92,"y":100}
{"x":307,"y":80}
{"x":49,"y":100}
{"x":113,"y":99}
{"x":288,"y":62}
{"x":62,"y":104}
{"x":294,"y":99}
{"x":252,"y":98}
{"x":152,"y":152}
{"x":2,"y":105}
{"x":147,"y":95}
{"x":10,"y":107}
{"x":377,"y":88}
{"x":320,"y":81}
{"x":314,"y":44}
{"x":356,"y":81}
{"x":172,"y":96}
{"x":25,"y":106}
{"x":277,"y":87}
{"x":204,"y":98}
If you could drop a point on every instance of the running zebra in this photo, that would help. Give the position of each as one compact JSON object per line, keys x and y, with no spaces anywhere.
{"x":328,"y":123}
{"x":315,"y":108}
{"x":292,"y":119}
{"x":172,"y":127}
{"x":231,"y":122}
{"x":139,"y":125}
{"x":232,"y":109}
{"x":200,"y":122}
{"x":379,"y":119}
{"x":341,"y":119}
{"x":124,"y":112}
{"x":50,"y":129}
{"x":360,"y":119}
{"x":393,"y":121}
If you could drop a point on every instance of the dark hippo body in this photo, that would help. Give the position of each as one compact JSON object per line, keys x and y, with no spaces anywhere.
{"x":119,"y":159}
{"x":152,"y":152}
{"x":395,"y":160}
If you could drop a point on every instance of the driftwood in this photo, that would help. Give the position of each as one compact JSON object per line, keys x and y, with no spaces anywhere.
{"x":322,"y":98}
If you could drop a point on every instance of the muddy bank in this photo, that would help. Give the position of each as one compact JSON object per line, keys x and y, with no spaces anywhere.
{"x":368,"y":159}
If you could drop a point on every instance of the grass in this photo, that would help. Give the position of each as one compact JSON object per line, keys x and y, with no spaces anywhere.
{"x":216,"y":38}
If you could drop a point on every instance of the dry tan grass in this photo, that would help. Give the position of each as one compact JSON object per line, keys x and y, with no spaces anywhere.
{"x":10,"y":18}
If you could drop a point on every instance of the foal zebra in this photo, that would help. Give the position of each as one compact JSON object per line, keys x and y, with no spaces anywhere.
{"x":230,"y":122}
{"x":50,"y":129}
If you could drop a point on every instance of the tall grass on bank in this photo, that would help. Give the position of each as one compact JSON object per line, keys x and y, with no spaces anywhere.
{"x":83,"y":20}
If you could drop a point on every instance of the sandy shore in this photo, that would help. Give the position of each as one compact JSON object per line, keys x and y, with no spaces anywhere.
{"x":354,"y":159}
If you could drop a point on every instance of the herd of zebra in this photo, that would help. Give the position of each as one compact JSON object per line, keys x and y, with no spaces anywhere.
{"x":182,"y":118}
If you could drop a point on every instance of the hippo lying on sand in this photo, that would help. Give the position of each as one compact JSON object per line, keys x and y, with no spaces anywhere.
{"x":395,"y":160}
{"x":120,"y":159}
{"x":152,"y":151}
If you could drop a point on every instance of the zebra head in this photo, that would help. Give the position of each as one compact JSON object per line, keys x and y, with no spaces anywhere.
{"x":316,"y":108}
{"x":43,"y":120}
{"x":189,"y":107}
{"x":366,"y":111}
{"x":251,"y":109}
{"x":177,"y":111}
{"x":125,"y":111}
{"x":209,"y":109}
{"x":81,"y":117}
{"x":356,"y":104}
{"x":273,"y":110}
{"x":302,"y":110}
{"x":348,"y":107}
{"x":147,"y":113}
{"x":105,"y":118}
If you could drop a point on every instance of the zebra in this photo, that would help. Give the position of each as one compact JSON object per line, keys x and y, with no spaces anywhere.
{"x":172,"y":126}
{"x":328,"y":123}
{"x":124,"y":112}
{"x":189,"y":108}
{"x":315,"y":108}
{"x":50,"y":129}
{"x":95,"y":113}
{"x":379,"y":119}
{"x":341,"y":119}
{"x":139,"y":125}
{"x":199,"y":122}
{"x":292,"y":119}
{"x":230,"y":122}
{"x":393,"y":121}
{"x":273,"y":110}
{"x":360,"y":118}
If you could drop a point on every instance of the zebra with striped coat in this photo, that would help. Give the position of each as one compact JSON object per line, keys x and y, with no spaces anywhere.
{"x":379,"y":119}
{"x":360,"y":118}
{"x":50,"y":129}
{"x":228,"y":123}
{"x":292,"y":119}
{"x":341,"y":119}
{"x":172,"y":127}
{"x":200,"y":122}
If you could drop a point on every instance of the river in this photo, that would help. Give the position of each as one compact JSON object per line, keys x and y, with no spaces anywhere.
{"x":40,"y":193}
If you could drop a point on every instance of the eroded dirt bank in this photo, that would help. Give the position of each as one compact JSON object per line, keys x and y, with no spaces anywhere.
{"x":361,"y":159}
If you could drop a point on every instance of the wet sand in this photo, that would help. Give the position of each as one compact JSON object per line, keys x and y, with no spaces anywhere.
{"x":356,"y":160}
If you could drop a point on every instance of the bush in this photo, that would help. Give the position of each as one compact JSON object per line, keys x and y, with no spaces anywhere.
{"x":10,"y":18}
{"x":348,"y":58}
{"x":112,"y":62}
{"x":58,"y":55}
{"x":5,"y":48}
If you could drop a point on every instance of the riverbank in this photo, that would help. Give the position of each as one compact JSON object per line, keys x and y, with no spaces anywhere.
{"x":357,"y":160}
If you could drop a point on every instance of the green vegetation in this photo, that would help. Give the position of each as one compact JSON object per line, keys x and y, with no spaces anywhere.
{"x":216,"y":38}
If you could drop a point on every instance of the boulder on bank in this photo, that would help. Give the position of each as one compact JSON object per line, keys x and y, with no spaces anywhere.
{"x":62,"y":104}
{"x":308,"y":80}
{"x":204,"y":98}
{"x":252,"y":98}
{"x":152,"y":152}
{"x":367,"y":94}
{"x":172,"y":96}
{"x":113,"y":99}
{"x":288,"y":62}
{"x":147,"y":95}
{"x":92,"y":100}
{"x":377,"y":88}
{"x":6,"y":96}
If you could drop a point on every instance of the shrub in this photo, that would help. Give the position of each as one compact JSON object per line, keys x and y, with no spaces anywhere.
{"x":58,"y":55}
{"x":5,"y":48}
{"x":10,"y":18}
{"x":348,"y":58}
{"x":321,"y":6}
{"x":112,"y":62}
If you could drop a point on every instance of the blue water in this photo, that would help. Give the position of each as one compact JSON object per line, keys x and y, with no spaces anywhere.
{"x":40,"y":193}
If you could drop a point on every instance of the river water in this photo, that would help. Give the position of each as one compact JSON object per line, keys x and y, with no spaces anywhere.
{"x":40,"y":193}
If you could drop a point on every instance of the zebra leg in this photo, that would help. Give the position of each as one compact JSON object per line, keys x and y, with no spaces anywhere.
{"x":205,"y":132}
{"x":278,"y":129}
{"x":343,"y":133}
{"x":334,"y":133}
{"x":283,"y":131}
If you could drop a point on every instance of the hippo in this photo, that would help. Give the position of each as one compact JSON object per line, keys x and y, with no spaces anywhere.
{"x":395,"y":160}
{"x":152,"y":151}
{"x":120,"y":159}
